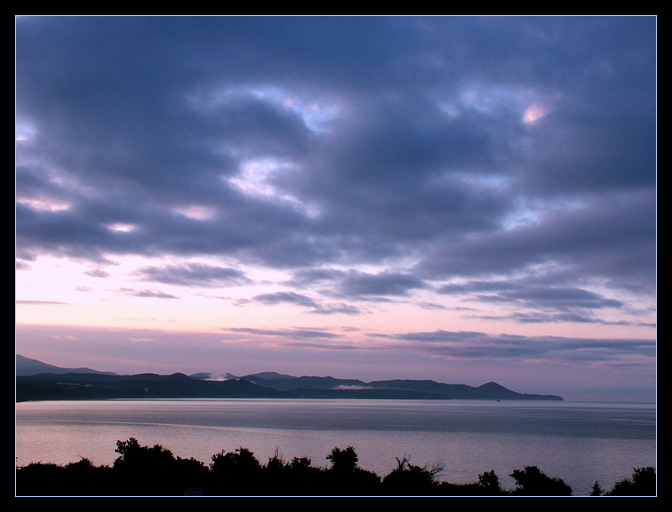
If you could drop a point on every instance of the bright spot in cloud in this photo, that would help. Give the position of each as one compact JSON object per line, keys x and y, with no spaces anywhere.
{"x":121,"y":228}
{"x":534,"y":113}
{"x":315,"y":113}
{"x":255,"y":179}
{"x":46,"y":205}
{"x":531,"y":213}
{"x":140,"y":340}
{"x":493,"y":101}
{"x":24,"y":132}
{"x":254,"y":175}
{"x":196,"y":212}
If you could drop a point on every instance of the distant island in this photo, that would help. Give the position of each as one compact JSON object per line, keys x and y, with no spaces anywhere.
{"x":36,"y":380}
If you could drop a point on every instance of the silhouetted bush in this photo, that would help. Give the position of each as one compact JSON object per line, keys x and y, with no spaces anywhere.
{"x":281,"y":477}
{"x":410,"y":479}
{"x":346,"y":477}
{"x":532,"y":482}
{"x":135,"y":458}
{"x":642,"y":483}
{"x":238,"y":464}
{"x":236,"y":472}
{"x":155,"y":471}
{"x":191,"y":472}
{"x":343,"y":461}
{"x":80,"y":478}
{"x":489,"y":484}
{"x":596,"y":489}
{"x":147,"y":470}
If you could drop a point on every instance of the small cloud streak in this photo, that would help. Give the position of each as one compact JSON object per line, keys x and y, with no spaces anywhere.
{"x":290,"y":333}
{"x":147,"y":293}
{"x":194,"y":275}
{"x":38,"y":302}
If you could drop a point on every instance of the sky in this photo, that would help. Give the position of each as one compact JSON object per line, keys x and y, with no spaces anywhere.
{"x":458,"y":198}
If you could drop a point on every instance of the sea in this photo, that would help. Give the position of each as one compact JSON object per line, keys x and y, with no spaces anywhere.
{"x":579,"y":442}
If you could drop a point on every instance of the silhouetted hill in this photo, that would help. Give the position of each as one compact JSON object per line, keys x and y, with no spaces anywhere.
{"x":40,"y":381}
{"x":310,"y":387}
{"x":27,"y":366}
{"x":287,"y":382}
{"x":201,"y":376}
{"x":80,"y":386}
{"x":270,"y":376}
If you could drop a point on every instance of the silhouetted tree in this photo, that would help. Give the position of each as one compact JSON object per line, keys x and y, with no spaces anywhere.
{"x":84,"y":465}
{"x":307,"y":479}
{"x":642,"y":483}
{"x":148,"y":470}
{"x":136,"y":458}
{"x":40,"y":479}
{"x":239,"y":463}
{"x":236,"y":472}
{"x":408,"y":478}
{"x":596,"y":489}
{"x":191,"y":472}
{"x":301,"y":463}
{"x":153,"y":470}
{"x":489,"y":481}
{"x":345,"y":477}
{"x":276,"y":464}
{"x":343,"y":461}
{"x":532,"y":482}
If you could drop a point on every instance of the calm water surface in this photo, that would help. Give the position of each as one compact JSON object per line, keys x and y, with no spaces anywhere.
{"x":580,"y":442}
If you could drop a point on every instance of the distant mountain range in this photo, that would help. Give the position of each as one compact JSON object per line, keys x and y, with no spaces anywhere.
{"x":36,"y":380}
{"x":27,"y":366}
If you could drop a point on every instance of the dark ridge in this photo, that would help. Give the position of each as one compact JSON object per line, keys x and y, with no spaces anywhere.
{"x":39,"y":381}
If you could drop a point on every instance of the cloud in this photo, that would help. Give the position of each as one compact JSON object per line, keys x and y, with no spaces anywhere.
{"x":39,"y":302}
{"x":309,"y":339}
{"x":610,"y":237}
{"x":338,"y":308}
{"x":549,"y":296}
{"x":479,"y":345}
{"x":370,"y":158}
{"x":571,"y":316}
{"x":562,"y":298}
{"x":154,"y":294}
{"x":194,"y":274}
{"x":357,"y":285}
{"x":564,"y":301}
{"x":97,"y":273}
{"x":386,"y":284}
{"x":474,"y":346}
{"x":317,"y":307}
{"x":288,"y":333}
{"x":286,"y":297}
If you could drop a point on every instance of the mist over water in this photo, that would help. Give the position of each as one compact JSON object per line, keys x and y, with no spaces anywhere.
{"x":580,"y":442}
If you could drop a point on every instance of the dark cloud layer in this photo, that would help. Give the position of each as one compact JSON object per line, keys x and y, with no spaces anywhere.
{"x":468,"y":345}
{"x":440,"y":148}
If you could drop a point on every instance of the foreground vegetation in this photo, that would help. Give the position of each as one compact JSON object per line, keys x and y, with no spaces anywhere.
{"x":155,"y":471}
